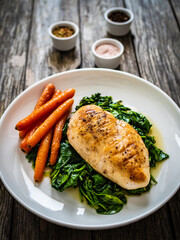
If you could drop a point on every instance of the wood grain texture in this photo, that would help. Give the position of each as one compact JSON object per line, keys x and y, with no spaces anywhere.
{"x":155,"y":33}
{"x":6,"y":210}
{"x":93,"y":26}
{"x":148,"y":228}
{"x":55,"y":232}
{"x":16,"y":15}
{"x":43,"y":59}
{"x":25,"y":225}
{"x":90,"y":10}
{"x":15,"y":19}
{"x":175,"y":4}
{"x":174,"y":209}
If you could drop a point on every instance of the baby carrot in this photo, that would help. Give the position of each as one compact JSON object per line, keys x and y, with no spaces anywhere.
{"x":45,"y":97}
{"x":49,"y":123}
{"x":55,"y":145}
{"x":23,"y":144}
{"x":42,"y":155}
{"x":45,"y":109}
{"x":23,"y":133}
{"x":56,"y":93}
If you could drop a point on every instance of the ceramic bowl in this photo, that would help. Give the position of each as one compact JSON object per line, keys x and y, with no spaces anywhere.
{"x":107,"y":62}
{"x":118,"y":28}
{"x":66,"y":43}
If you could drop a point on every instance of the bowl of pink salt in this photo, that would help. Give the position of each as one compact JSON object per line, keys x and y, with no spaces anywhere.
{"x":107,"y":52}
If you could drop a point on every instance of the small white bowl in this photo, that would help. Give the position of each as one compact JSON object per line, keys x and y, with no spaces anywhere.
{"x":67,"y":43}
{"x":118,"y":28}
{"x":107,"y":62}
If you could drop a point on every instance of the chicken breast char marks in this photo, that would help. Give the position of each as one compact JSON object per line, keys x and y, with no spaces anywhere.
{"x":111,"y":146}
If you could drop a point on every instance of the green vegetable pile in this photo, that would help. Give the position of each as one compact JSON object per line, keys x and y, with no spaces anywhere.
{"x":72,"y":171}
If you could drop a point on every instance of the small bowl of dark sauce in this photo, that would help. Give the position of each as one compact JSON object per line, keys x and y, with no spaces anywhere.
{"x":118,"y":20}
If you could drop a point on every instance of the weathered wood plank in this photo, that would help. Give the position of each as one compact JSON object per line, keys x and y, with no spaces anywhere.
{"x":43,"y":59}
{"x":55,"y":232}
{"x":14,"y":32}
{"x":174,"y":205}
{"x":93,"y":27}
{"x":25,"y":224}
{"x":176,"y":8}
{"x":147,"y":228}
{"x":155,"y":33}
{"x":6,"y":208}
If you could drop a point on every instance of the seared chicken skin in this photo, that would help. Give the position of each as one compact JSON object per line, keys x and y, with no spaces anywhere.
{"x":112,"y":147}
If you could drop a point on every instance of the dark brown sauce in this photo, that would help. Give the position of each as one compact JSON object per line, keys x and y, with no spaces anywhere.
{"x":118,"y":16}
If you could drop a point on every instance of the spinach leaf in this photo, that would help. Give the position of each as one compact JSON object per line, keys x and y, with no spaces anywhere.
{"x":72,"y":171}
{"x":108,"y":200}
{"x":31,"y":156}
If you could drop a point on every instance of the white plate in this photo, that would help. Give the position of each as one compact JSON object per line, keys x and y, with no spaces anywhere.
{"x":65,"y":208}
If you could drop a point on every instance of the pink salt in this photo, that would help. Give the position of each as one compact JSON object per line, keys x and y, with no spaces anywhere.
{"x":107,"y":50}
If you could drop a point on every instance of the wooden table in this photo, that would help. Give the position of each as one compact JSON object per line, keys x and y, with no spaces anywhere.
{"x":152,"y":51}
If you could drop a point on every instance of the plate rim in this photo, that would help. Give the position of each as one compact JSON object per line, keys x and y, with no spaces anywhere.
{"x":79,"y":226}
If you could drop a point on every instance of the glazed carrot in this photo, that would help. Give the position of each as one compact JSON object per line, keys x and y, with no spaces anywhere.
{"x":23,"y":144}
{"x":49,"y":123}
{"x":42,"y":155}
{"x":56,"y":93}
{"x":45,"y":109}
{"x":57,"y":135}
{"x":43,"y":150}
{"x":23,"y":133}
{"x":45,"y":97}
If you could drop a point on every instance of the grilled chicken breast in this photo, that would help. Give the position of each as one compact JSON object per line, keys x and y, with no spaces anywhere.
{"x":111,"y":146}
